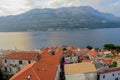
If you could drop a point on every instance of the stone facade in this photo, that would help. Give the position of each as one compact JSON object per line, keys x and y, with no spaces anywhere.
{"x":12,"y":66}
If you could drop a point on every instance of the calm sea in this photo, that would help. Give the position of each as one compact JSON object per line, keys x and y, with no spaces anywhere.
{"x":35,"y":40}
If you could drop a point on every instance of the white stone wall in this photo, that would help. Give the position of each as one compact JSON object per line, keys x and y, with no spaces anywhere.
{"x":91,"y":76}
{"x":110,"y":76}
{"x":73,"y":59}
{"x":13,"y":65}
{"x":67,"y":59}
{"x":75,"y":77}
{"x":82,"y":76}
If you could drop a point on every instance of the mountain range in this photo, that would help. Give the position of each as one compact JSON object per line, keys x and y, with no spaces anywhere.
{"x":64,"y":18}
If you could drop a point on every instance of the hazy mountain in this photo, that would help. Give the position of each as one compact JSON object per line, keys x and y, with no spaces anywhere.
{"x":61,"y":18}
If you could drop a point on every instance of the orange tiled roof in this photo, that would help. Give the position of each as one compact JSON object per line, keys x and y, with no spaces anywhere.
{"x":70,"y":47}
{"x":116,"y":57}
{"x":44,"y":69}
{"x":21,"y":75}
{"x":23,"y":55}
{"x":37,"y":71}
{"x":51,"y":59}
{"x":93,"y":52}
{"x":105,"y":50}
{"x":107,"y":60}
{"x":86,"y":50}
{"x":114,"y":51}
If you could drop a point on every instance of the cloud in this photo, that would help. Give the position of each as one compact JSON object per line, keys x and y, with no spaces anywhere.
{"x":55,"y":3}
{"x":64,"y":3}
{"x":11,"y":7}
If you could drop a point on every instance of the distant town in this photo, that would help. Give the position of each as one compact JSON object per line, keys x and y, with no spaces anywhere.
{"x":61,"y":63}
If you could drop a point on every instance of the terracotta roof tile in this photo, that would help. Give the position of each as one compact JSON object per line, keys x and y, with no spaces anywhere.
{"x":23,"y":55}
{"x":105,"y":50}
{"x":93,"y":52}
{"x":116,"y":57}
{"x":70,"y":47}
{"x":107,"y":60}
{"x":83,"y":51}
{"x":44,"y":69}
{"x":37,"y":71}
{"x":21,"y":75}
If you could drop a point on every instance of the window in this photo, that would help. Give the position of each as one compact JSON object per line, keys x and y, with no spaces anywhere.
{"x":118,"y":73}
{"x":103,"y":76}
{"x":20,"y":62}
{"x":5,"y":68}
{"x":18,"y":68}
{"x":29,"y":62}
{"x":10,"y":70}
{"x":116,"y":78}
{"x":5,"y":61}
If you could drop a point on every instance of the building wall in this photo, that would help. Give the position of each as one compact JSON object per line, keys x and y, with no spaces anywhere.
{"x":91,"y":76}
{"x":75,"y":77}
{"x":73,"y":59}
{"x":110,"y":76}
{"x":67,"y":59}
{"x":57,"y":77}
{"x":13,"y":65}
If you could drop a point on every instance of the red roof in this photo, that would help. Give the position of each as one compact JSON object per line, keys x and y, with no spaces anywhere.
{"x":109,"y":71}
{"x":105,"y":50}
{"x":107,"y":60}
{"x":36,"y":71}
{"x":116,"y":57}
{"x":86,"y":50}
{"x":93,"y":52}
{"x":51,"y":59}
{"x":114,"y":51}
{"x":70,"y":47}
{"x":23,"y":55}
{"x":44,"y":69}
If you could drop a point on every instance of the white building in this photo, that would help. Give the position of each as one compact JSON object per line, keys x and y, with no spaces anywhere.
{"x":14,"y":61}
{"x":72,"y":59}
{"x":111,"y":74}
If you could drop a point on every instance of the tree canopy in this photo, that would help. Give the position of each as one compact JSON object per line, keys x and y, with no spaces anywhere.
{"x":112,"y":47}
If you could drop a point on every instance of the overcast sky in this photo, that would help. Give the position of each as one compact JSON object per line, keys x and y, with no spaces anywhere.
{"x":13,"y":7}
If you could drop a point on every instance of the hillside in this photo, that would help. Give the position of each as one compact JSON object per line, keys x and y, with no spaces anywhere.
{"x":61,"y":18}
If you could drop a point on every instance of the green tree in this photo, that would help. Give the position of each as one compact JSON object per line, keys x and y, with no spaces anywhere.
{"x":109,"y":46}
{"x":114,"y":64}
{"x":89,"y":47}
{"x":118,"y":48}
